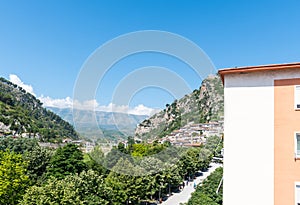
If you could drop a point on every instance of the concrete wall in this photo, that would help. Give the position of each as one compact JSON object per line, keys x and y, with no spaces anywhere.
{"x":286,"y":123}
{"x":249,"y":136}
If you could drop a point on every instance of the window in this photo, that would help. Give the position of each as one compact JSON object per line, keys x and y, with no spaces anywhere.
{"x":297,"y":145}
{"x":297,"y":193}
{"x":297,"y":97}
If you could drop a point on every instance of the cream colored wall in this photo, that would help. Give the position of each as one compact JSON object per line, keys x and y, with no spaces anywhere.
{"x":249,"y":137}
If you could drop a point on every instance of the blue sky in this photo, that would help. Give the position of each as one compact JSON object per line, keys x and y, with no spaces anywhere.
{"x":45,"y":43}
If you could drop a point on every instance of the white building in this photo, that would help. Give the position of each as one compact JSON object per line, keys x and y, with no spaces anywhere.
{"x":261,"y":127}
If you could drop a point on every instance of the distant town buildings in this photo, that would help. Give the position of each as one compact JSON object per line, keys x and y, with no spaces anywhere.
{"x":194,"y":134}
{"x":83,"y":145}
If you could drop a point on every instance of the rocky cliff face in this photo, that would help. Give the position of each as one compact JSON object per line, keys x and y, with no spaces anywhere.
{"x":202,"y":105}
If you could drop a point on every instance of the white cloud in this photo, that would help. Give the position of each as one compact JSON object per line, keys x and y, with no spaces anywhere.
{"x":86,"y":105}
{"x":94,"y":105}
{"x":138,"y":110}
{"x":16,"y":80}
{"x":113,"y":108}
{"x":143,"y":110}
{"x":59,"y":103}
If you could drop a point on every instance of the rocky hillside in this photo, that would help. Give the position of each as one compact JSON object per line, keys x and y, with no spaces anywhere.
{"x":22,"y":113}
{"x":202,"y":105}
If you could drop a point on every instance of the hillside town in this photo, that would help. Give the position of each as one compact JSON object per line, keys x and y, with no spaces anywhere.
{"x":194,"y":134}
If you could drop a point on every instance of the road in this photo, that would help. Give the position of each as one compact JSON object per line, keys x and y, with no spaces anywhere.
{"x":185,"y":194}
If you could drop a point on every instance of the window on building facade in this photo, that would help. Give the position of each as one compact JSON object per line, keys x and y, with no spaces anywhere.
{"x":297,"y":193}
{"x":297,"y":97}
{"x":297,"y":145}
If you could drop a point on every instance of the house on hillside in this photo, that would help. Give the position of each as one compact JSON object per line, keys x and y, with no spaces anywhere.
{"x":262,"y":135}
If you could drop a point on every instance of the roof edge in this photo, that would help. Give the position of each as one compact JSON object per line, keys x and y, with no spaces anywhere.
{"x":225,"y":71}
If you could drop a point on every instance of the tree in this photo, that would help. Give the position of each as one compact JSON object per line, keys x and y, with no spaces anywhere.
{"x":139,"y":150}
{"x":154,"y":179}
{"x":125,"y":183}
{"x":38,"y":159}
{"x":113,"y":157}
{"x":130,"y":142}
{"x":95,"y":160}
{"x":206,"y":194}
{"x":87,"y":188}
{"x":66,"y":160}
{"x":214,"y":144}
{"x":201,"y":198}
{"x":211,"y":183}
{"x":13,"y":178}
{"x":121,"y":148}
{"x":18,"y":145}
{"x":204,"y":158}
{"x":188,"y":163}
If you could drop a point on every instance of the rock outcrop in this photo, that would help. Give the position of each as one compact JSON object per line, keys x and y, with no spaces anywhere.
{"x":202,"y":105}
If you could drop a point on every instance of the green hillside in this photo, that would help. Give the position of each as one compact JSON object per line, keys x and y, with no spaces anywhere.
{"x":21,"y":112}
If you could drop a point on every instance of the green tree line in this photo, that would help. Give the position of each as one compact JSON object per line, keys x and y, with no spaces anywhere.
{"x":30,"y":174}
{"x":210,"y":192}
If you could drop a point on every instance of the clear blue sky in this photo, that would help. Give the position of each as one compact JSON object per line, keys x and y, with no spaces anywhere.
{"x":46,"y":42}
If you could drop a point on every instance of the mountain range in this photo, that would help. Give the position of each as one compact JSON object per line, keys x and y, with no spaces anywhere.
{"x":21,"y":113}
{"x":100,"y":125}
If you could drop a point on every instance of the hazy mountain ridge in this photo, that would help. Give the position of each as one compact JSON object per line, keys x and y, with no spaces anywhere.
{"x":22,"y":113}
{"x":108,"y":125}
{"x":202,"y":105}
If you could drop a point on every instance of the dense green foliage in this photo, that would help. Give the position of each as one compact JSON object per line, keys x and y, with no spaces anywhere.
{"x":65,"y":161}
{"x":144,"y":172}
{"x":141,"y":172}
{"x":23,"y":113}
{"x":38,"y":160}
{"x":206,"y":193}
{"x":95,"y":161}
{"x":18,"y":145}
{"x":13,"y":178}
{"x":214,"y":144}
{"x":83,"y":189}
{"x":124,"y":186}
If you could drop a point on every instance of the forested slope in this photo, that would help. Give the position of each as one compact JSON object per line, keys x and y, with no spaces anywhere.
{"x":21,"y":112}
